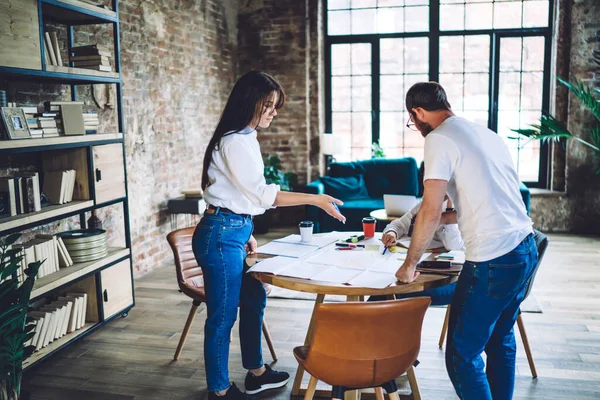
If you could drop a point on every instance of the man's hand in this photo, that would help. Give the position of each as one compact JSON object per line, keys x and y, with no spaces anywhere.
{"x":251,"y":246}
{"x":389,"y":238}
{"x":407,"y":273}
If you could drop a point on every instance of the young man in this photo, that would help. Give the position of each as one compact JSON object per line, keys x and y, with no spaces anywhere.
{"x":473,"y":165}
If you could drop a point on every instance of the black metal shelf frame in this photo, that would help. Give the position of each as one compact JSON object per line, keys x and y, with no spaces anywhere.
{"x":434,"y":34}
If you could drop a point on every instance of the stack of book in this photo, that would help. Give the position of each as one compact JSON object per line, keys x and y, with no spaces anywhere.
{"x":90,"y":122}
{"x":52,"y":49}
{"x":59,"y":186}
{"x":94,"y":56}
{"x":48,"y":248}
{"x":53,"y":321}
{"x":69,"y":116}
{"x":20,"y":194}
{"x":31,"y":113}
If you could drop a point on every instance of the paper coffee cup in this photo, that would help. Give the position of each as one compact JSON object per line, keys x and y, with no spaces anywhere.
{"x":306,"y":231}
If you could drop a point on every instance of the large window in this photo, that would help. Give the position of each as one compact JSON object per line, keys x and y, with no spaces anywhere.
{"x":491,"y":56}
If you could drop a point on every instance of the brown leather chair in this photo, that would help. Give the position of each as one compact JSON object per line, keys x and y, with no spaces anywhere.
{"x":541,"y":242}
{"x":364,"y":345}
{"x":191,"y":282}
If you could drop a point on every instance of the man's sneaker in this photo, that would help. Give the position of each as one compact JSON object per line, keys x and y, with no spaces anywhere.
{"x":268,"y":380}
{"x":232,"y":394}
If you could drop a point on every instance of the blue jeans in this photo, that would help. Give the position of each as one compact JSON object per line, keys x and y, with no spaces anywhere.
{"x":482,"y":315}
{"x":218,"y":245}
{"x":440,"y":296}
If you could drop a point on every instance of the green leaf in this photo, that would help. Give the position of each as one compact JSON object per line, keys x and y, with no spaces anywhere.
{"x":585,"y":95}
{"x":10,"y":239}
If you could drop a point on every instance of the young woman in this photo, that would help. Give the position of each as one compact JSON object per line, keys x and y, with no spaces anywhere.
{"x":235,"y":191}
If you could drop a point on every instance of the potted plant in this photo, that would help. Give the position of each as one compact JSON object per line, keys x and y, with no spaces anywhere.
{"x":550,"y":128}
{"x":286,"y":181}
{"x":14,"y":328}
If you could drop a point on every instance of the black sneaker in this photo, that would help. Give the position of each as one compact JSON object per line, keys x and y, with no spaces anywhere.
{"x":268,"y":380}
{"x":232,"y":394}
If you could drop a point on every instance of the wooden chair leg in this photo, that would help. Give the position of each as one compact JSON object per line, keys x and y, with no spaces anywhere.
{"x":523,"y":333}
{"x":414,"y":386}
{"x":310,"y":390}
{"x":268,"y":339}
{"x":394,"y":396}
{"x":379,"y":393}
{"x":444,"y":327}
{"x":186,"y":329}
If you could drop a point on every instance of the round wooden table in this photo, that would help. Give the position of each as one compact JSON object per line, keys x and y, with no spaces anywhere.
{"x":352,"y":293}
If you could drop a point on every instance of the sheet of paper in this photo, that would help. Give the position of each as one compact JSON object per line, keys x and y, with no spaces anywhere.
{"x":302,"y":270}
{"x":365,"y":259}
{"x":317,"y":240}
{"x":286,"y":249}
{"x":373,"y":279}
{"x":330,"y":256}
{"x":273,"y":265}
{"x":337,"y":274}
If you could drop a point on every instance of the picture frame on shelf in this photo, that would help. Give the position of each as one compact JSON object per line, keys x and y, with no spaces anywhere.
{"x":15,"y":123}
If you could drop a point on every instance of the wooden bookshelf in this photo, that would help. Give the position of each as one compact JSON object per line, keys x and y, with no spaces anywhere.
{"x":57,"y":344}
{"x":66,"y":275}
{"x":46,"y":213}
{"x":70,"y":141}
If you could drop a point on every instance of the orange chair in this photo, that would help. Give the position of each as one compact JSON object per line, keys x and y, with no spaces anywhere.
{"x":191,"y":282}
{"x":364,"y":345}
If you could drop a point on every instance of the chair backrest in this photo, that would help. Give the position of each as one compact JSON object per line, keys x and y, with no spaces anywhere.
{"x":541,"y":241}
{"x":189,"y":274}
{"x":365,"y":344}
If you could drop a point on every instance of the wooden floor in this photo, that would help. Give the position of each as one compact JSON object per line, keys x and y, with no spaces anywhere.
{"x":130,"y":358}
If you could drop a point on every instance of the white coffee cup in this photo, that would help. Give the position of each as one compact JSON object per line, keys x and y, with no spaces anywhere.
{"x":306,"y":231}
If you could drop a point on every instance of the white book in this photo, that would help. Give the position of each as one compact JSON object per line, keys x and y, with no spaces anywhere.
{"x":54,"y":321}
{"x":65,"y":251}
{"x":66,"y":313}
{"x":45,"y":322}
{"x":72,"y":186}
{"x":49,"y":336}
{"x":82,"y":297}
{"x":72,"y":312}
{"x":76,"y":312}
{"x":63,"y":262}
{"x":34,"y":323}
{"x":39,"y":256}
{"x":84,"y":310}
{"x":37,"y":202}
{"x":39,"y":324}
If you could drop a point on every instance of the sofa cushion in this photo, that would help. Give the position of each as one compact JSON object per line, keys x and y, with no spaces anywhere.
{"x":382,"y":175}
{"x":345,"y":187}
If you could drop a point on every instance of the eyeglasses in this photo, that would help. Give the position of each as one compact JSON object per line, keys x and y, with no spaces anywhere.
{"x":410,"y":124}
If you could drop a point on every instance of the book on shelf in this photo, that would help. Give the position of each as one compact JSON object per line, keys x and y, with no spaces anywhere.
{"x":8,"y":199}
{"x":50,"y":49}
{"x":59,"y":186}
{"x":62,"y":257}
{"x":54,"y":39}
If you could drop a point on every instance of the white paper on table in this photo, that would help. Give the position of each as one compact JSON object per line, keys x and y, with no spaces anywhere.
{"x":272,"y":265}
{"x":364,"y":259}
{"x":286,"y":249}
{"x":302,"y":270}
{"x":330,"y":256}
{"x":317,"y":240}
{"x":373,"y":279}
{"x":434,"y":244}
{"x":337,"y":274}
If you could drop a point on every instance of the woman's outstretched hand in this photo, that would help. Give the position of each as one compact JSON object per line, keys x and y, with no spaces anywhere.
{"x":328,"y":204}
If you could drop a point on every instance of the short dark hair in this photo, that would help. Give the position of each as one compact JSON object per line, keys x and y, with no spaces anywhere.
{"x":430,"y":96}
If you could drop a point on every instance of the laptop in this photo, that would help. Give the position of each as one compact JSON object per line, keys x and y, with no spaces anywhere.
{"x":397,"y":205}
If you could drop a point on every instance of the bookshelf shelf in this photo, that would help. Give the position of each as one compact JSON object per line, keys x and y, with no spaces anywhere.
{"x":74,"y":12}
{"x":78,"y":270}
{"x":62,"y":75}
{"x":47,"y":213}
{"x":31,"y":145}
{"x":56,"y":345}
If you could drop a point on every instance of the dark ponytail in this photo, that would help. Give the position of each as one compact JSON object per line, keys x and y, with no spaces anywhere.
{"x":246,"y":100}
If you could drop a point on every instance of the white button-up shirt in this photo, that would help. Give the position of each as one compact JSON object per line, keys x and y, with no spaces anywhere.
{"x":236,"y":175}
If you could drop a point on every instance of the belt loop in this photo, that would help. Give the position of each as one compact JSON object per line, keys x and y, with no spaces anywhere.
{"x":217,"y":210}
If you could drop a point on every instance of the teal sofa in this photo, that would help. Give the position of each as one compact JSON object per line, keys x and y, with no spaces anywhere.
{"x":362,"y":184}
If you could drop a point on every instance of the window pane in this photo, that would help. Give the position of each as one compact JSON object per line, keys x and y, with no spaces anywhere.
{"x":412,"y":138}
{"x":452,"y":17}
{"x":338,"y":22}
{"x":336,"y":4}
{"x":417,"y":153}
{"x":361,"y":59}
{"x":507,"y":14}
{"x":510,"y":54}
{"x":410,"y":80}
{"x":340,"y":90}
{"x":361,"y":93}
{"x":479,"y":16}
{"x":509,"y":95}
{"x":477,"y":53}
{"x":416,"y":2}
{"x":390,"y":20}
{"x":416,"y":19}
{"x":340,"y":59}
{"x":363,"y":3}
{"x":392,"y":93}
{"x":390,"y":3}
{"x":391,"y":57}
{"x":533,"y":53}
{"x":392,"y":124}
{"x":535,"y":13}
{"x":453,"y":85}
{"x":363,"y":21}
{"x":361,"y":129}
{"x":416,"y":55}
{"x":451,"y":54}
{"x":341,"y":124}
{"x":531,"y":91}
{"x":476,"y":92}
{"x":479,"y":117}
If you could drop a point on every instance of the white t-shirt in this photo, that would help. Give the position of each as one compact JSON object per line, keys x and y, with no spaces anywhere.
{"x":236,"y":176}
{"x":482,"y":183}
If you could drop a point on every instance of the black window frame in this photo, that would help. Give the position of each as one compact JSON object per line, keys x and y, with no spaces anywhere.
{"x":434,"y":35}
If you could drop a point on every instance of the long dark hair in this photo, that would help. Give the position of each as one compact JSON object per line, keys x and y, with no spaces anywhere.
{"x":246,"y":100}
